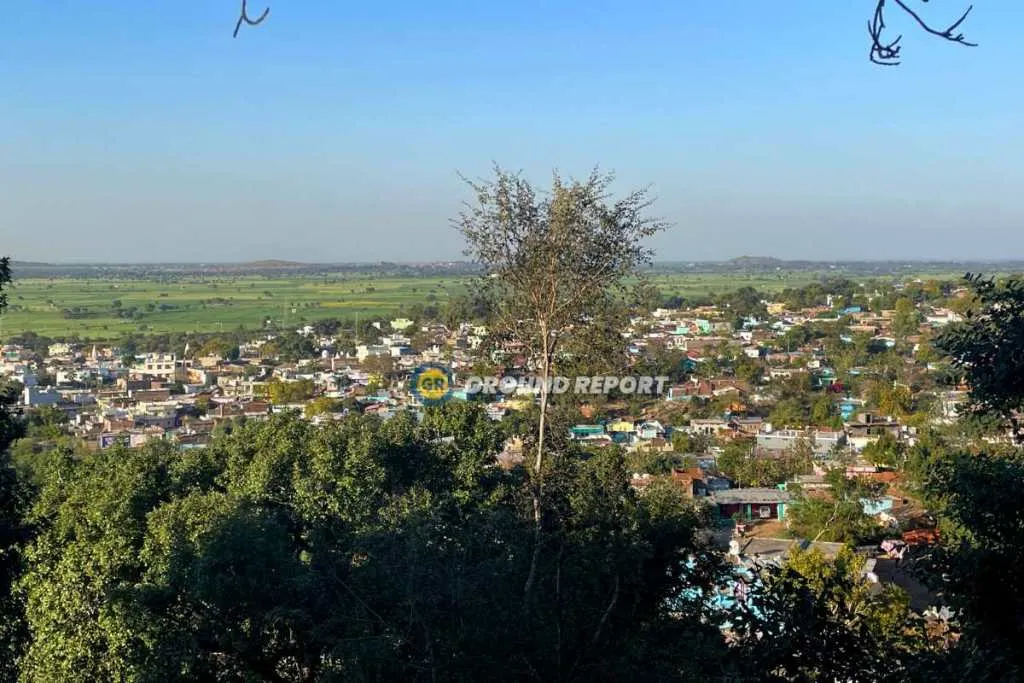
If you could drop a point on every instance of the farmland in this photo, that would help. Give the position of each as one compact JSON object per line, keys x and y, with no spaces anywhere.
{"x":107,"y":308}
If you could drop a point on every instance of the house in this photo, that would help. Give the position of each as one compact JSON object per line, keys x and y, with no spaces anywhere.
{"x":758,"y":551}
{"x":942,"y":316}
{"x":582,"y":432}
{"x":364,"y":351}
{"x":679,"y":392}
{"x":821,"y":441}
{"x":691,"y":480}
{"x":867,"y":427}
{"x":752,"y":503}
{"x":620,"y":426}
{"x":748,"y":425}
{"x":809,"y":482}
{"x":512,"y":454}
{"x":650,"y":429}
{"x":708,"y":426}
{"x":166,"y":366}
{"x":656,"y":444}
{"x":150,"y":395}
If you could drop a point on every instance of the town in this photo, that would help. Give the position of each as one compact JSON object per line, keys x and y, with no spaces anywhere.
{"x":609,"y":343}
{"x":765,"y":396}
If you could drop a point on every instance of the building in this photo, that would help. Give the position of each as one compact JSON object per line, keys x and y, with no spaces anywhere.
{"x":586,"y":432}
{"x":752,"y":503}
{"x":822,"y":441}
{"x":166,"y":366}
{"x":35,"y":397}
{"x":364,"y":351}
{"x":867,"y":427}
{"x":691,"y":480}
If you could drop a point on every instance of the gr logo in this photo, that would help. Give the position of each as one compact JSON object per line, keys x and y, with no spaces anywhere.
{"x":432,"y":383}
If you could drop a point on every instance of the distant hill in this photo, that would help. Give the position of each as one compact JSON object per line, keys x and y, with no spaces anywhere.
{"x":31,"y":264}
{"x":271,"y":263}
{"x":284,"y":268}
{"x":756,"y":262}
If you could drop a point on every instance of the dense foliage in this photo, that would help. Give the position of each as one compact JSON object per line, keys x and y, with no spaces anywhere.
{"x":989,"y":345}
{"x":816,"y":619}
{"x":358,"y":551}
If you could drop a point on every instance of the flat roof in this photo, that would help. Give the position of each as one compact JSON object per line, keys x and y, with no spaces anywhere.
{"x":752,"y":495}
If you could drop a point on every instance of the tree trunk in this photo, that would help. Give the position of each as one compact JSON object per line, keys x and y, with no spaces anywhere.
{"x":538,"y":477}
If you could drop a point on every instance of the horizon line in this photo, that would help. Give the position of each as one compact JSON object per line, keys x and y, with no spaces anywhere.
{"x":271,"y":262}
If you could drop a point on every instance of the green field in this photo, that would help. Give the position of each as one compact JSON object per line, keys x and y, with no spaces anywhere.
{"x":86,"y":307}
{"x":703,"y":284}
{"x":209,"y":304}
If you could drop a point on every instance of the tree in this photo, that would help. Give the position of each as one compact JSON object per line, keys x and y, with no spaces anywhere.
{"x":788,"y":413}
{"x":976,"y":491}
{"x":986,"y":346}
{"x":219,"y":346}
{"x":887,"y":451}
{"x":362,"y":550}
{"x":552,"y":265}
{"x":894,"y":400}
{"x":906,"y":319}
{"x":13,"y":531}
{"x":282,"y":393}
{"x":322,"y":406}
{"x":382,"y":366}
{"x":690,"y":443}
{"x":976,"y":497}
{"x":887,"y":52}
{"x":822,"y":411}
{"x":817,"y":619}
{"x":884,"y":51}
{"x":841,"y":519}
{"x":741,"y":462}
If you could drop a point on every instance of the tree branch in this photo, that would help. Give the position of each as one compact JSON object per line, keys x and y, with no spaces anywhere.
{"x":243,"y":17}
{"x":888,"y":53}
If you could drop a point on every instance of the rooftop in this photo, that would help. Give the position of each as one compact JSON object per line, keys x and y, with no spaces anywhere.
{"x":757,"y":496}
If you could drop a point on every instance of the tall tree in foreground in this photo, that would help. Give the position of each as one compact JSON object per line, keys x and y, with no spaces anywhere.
{"x":553,"y":265}
{"x":13,"y":497}
{"x":978,"y":496}
{"x":988,"y":347}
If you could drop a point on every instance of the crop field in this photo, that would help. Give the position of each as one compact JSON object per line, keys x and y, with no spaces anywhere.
{"x":105,"y":309}
{"x":704,"y":284}
{"x":94,"y":308}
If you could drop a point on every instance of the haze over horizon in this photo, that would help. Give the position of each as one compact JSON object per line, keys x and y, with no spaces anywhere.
{"x":334,"y":133}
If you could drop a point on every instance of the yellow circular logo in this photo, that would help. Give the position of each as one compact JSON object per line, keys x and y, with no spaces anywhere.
{"x":432,"y":383}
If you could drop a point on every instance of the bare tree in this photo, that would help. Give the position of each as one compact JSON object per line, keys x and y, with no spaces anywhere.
{"x":883,"y":51}
{"x":553,"y":263}
{"x":244,"y":18}
{"x":887,"y":52}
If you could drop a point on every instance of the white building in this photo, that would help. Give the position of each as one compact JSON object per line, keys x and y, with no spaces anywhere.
{"x":165,"y":366}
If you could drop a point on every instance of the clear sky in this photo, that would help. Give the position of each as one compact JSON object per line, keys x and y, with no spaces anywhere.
{"x":140,"y":131}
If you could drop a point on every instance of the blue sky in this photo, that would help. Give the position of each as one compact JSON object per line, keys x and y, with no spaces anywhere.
{"x":138,"y":131}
